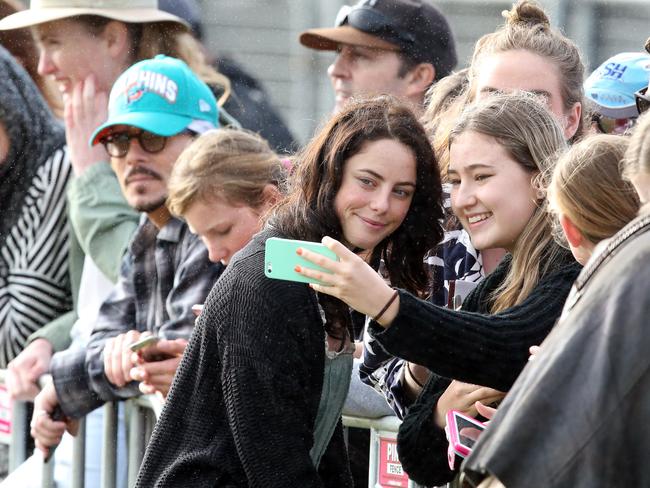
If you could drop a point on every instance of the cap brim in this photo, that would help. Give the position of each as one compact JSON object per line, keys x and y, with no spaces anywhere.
{"x":328,"y":39}
{"x":617,"y":112}
{"x":30,"y":17}
{"x":158,"y":123}
{"x":623,"y":108}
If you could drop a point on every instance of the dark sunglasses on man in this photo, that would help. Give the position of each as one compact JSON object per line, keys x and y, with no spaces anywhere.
{"x":117,"y":144}
{"x":642,"y":100}
{"x":370,"y":20}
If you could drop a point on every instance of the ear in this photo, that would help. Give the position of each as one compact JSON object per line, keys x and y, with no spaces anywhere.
{"x":420,"y":79}
{"x":572,"y":233}
{"x":271,"y":195}
{"x":572,"y":120}
{"x":116,"y":36}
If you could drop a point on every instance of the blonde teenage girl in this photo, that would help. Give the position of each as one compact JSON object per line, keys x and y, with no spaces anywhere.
{"x":586,"y":394}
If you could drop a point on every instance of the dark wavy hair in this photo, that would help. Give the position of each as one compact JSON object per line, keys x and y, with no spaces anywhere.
{"x":308,"y":212}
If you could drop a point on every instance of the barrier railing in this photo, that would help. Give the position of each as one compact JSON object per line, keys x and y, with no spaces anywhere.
{"x":384,"y":468}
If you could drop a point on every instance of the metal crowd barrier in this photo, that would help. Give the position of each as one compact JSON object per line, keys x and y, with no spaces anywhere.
{"x":384,"y":469}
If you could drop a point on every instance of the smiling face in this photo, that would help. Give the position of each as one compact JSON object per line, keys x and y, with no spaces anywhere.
{"x":376,"y":191}
{"x":69,"y":53}
{"x":223,"y":227}
{"x":143,"y":176}
{"x":523,"y":70}
{"x":491,"y":193}
{"x":358,"y":70}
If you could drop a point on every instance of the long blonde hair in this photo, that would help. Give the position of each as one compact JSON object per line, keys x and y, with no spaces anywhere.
{"x":236,"y":165}
{"x":527,"y":27}
{"x":588,"y":188}
{"x":530,"y":134}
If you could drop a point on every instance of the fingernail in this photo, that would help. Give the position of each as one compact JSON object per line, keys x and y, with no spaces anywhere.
{"x":297,"y":269}
{"x":299,"y":251}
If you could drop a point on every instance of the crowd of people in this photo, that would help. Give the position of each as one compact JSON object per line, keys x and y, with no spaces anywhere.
{"x":476,"y":220}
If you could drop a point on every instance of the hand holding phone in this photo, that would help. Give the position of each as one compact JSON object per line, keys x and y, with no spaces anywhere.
{"x":462,"y":433}
{"x":280,"y":259}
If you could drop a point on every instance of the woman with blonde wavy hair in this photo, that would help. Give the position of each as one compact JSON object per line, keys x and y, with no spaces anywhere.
{"x":500,"y":150}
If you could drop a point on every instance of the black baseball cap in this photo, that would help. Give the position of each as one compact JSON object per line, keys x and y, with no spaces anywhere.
{"x":413,"y":27}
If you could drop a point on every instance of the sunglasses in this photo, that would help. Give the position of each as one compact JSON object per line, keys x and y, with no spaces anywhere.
{"x":117,"y":144}
{"x":372,"y":21}
{"x":608,"y":125}
{"x":642,"y":100}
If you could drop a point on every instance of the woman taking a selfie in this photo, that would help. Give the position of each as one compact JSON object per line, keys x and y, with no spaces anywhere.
{"x":499,"y":150}
{"x":268,"y":364}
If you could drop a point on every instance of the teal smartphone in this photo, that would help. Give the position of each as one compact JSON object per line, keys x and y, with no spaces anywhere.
{"x":280,"y":259}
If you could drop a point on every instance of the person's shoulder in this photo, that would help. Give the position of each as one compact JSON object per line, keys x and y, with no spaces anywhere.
{"x":628,"y":268}
{"x":54,"y":173}
{"x":246,"y":269}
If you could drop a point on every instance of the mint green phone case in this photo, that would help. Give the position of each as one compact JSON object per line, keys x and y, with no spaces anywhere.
{"x":280,"y":259}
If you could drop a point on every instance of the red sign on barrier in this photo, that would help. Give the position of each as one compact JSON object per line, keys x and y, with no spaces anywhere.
{"x":5,"y":412}
{"x":390,"y":469}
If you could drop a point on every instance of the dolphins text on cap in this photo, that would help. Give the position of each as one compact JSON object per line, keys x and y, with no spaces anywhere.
{"x":138,"y":82}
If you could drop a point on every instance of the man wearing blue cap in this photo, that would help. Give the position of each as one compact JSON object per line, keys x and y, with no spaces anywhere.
{"x":611,"y":89}
{"x":155,"y":109}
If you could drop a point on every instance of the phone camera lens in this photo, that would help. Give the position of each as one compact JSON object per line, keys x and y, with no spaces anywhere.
{"x":269,"y":268}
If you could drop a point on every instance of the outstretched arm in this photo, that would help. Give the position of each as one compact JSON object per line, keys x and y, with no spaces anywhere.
{"x":480,"y":348}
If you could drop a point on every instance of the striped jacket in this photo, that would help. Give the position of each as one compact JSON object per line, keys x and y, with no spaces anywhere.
{"x":34,"y":281}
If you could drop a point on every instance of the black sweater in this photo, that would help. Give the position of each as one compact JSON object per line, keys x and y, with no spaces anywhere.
{"x":471,"y":345}
{"x":243,"y":404}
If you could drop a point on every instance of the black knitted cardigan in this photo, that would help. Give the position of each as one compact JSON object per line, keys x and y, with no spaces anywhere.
{"x":243,"y":404}
{"x":471,"y":345}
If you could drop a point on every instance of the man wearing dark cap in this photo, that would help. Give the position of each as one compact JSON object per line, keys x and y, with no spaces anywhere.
{"x":399,"y":47}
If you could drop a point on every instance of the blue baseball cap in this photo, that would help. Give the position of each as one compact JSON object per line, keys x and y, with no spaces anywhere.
{"x":160,"y":95}
{"x":612,"y":85}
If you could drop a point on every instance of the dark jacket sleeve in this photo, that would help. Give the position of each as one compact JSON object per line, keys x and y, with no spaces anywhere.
{"x":421,"y":444}
{"x":481,"y":348}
